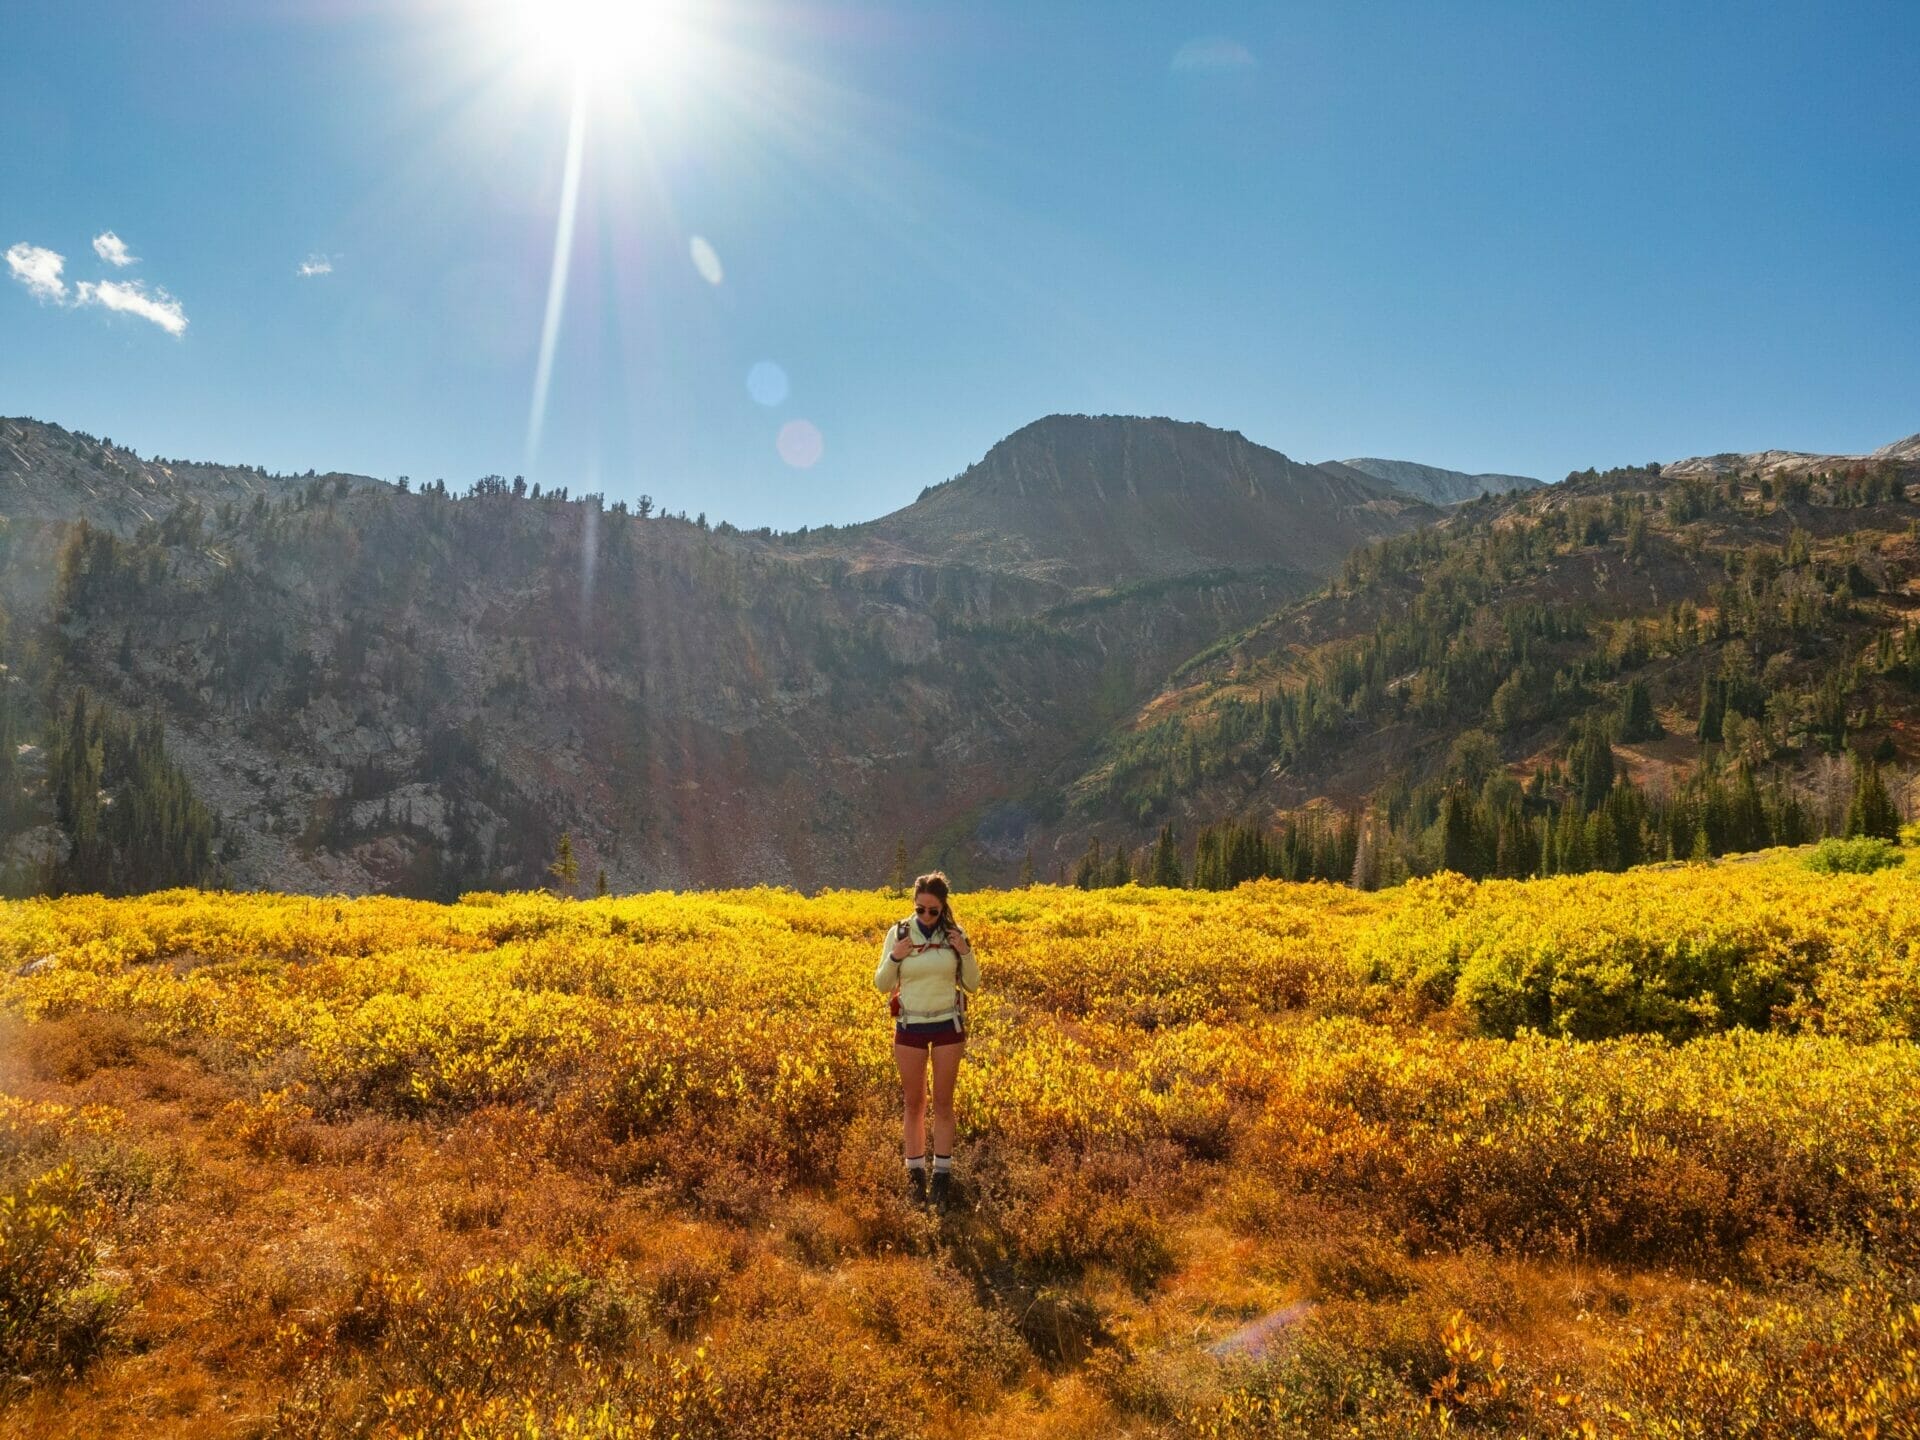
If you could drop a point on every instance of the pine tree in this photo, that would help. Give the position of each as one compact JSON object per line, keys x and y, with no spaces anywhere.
{"x":565,"y":869}
{"x":1636,"y":541}
{"x":1515,"y":853}
{"x":1871,"y":811}
{"x":131,"y":818}
{"x":1591,"y":760}
{"x":600,"y":884}
{"x":1627,"y":808}
{"x":1602,"y":843}
{"x":1509,"y":703}
{"x":1637,"y":720}
{"x":1366,"y":866}
{"x":897,"y":881}
{"x":1713,"y":709}
{"x":1248,"y":857}
{"x":1166,"y":859}
{"x":1746,"y":815}
{"x":1091,"y":872}
{"x":1209,"y":866}
{"x":1572,"y":856}
{"x":1460,"y":848}
{"x":1026,"y":870}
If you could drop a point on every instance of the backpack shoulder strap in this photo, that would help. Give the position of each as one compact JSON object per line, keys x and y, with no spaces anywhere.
{"x":959,"y":991}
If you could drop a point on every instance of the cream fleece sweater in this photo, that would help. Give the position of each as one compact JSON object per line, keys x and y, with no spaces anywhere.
{"x":925,"y":979}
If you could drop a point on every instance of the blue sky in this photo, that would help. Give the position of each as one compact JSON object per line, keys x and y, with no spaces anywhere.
{"x":1526,"y":237}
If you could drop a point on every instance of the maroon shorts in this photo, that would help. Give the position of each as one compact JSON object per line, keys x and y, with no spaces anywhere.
{"x":933,"y":1032}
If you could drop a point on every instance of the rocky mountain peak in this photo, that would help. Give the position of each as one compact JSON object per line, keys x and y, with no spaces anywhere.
{"x":1091,"y":501}
{"x":1100,"y":456}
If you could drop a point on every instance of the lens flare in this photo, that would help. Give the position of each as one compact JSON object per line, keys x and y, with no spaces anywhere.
{"x":800,"y":444}
{"x":557,"y":277}
{"x":705,"y":260}
{"x":767,"y":383}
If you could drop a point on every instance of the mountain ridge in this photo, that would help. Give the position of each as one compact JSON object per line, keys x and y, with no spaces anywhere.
{"x":1433,"y":484}
{"x":1768,"y":621}
{"x":376,"y":688}
{"x":1788,"y":462}
{"x":379,"y":688}
{"x":1091,"y":501}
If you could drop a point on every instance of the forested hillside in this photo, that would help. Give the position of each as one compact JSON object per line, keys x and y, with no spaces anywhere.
{"x":1098,"y":654}
{"x":415,"y":688}
{"x":1626,"y":666}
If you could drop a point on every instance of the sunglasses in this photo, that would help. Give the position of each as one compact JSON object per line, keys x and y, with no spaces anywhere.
{"x":926,"y":909}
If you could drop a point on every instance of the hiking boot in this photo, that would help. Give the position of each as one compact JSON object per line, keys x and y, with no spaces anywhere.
{"x":917,"y":1186}
{"x":942,"y":1189}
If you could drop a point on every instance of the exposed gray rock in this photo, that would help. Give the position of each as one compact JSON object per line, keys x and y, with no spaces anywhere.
{"x":1786,"y":462}
{"x":1433,"y":484}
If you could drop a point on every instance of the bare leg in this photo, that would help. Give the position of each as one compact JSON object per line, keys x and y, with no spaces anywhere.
{"x":946,"y":1072}
{"x":913,"y":1089}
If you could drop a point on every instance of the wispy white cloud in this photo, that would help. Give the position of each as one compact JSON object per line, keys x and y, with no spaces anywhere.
{"x":314,"y":265}
{"x":1211,"y":54}
{"x":131,"y":298}
{"x":39,"y":270}
{"x":112,"y":249}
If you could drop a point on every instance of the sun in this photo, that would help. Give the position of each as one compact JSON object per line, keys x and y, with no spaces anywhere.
{"x":622,"y":64}
{"x":604,"y":42}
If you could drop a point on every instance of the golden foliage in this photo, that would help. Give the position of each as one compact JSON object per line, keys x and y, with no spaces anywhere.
{"x":1704,"y":1067}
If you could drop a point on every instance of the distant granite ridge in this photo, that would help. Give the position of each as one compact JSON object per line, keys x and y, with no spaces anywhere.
{"x":1432,"y":484}
{"x":1787,"y":462}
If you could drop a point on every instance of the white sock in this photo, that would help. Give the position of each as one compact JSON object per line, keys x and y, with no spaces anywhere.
{"x":943,"y":1164}
{"x":916,"y":1162}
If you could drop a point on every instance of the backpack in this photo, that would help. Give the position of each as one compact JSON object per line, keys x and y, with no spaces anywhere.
{"x":959,"y":992}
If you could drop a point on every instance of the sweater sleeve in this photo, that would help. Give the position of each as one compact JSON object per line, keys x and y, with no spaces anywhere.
{"x":886,"y":979}
{"x":970,"y":970}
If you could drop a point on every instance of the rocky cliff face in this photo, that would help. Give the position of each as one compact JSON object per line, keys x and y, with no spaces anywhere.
{"x":376,"y":689}
{"x":50,"y":477}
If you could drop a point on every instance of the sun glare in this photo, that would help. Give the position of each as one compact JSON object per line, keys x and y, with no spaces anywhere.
{"x":605,"y":41}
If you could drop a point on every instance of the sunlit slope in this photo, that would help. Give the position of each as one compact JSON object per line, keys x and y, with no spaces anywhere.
{"x":1523,"y":618}
{"x":391,"y":1167}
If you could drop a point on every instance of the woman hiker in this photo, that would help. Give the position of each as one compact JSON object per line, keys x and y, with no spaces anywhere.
{"x":928,"y":966}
